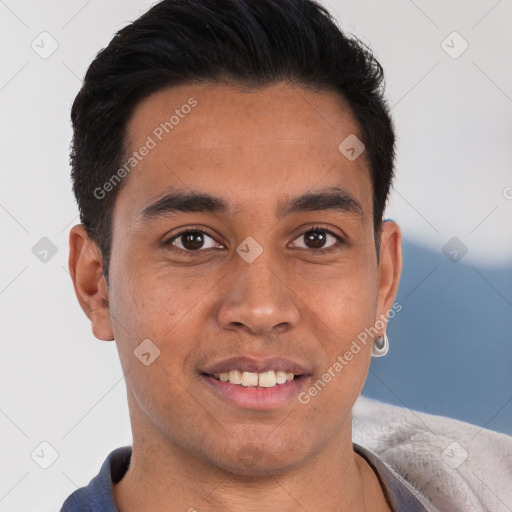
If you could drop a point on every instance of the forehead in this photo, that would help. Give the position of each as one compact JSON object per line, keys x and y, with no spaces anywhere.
{"x":286,"y":110}
{"x":248,"y":145}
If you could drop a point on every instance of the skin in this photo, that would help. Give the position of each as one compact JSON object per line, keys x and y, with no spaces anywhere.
{"x":255,"y":149}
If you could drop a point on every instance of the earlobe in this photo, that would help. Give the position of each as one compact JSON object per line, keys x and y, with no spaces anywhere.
{"x":85,"y":267}
{"x":390,"y":266}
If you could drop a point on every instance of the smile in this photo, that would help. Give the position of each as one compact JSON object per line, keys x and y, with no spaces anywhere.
{"x":256,"y":391}
{"x":267,"y":379}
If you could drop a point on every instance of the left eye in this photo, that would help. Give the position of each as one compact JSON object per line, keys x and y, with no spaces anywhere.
{"x":316,"y":238}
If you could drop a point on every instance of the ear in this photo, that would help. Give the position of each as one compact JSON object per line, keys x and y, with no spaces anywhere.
{"x":86,"y":269}
{"x":390,"y":267}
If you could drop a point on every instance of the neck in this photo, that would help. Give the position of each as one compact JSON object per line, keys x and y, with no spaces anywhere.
{"x":163,"y":477}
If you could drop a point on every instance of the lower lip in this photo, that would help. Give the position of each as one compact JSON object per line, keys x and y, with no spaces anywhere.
{"x":254,"y":397}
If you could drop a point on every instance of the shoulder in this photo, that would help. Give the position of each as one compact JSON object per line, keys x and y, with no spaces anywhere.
{"x":456,"y":465}
{"x":97,"y":495}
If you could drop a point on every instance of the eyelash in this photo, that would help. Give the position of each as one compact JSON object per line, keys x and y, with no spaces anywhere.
{"x":168,"y":243}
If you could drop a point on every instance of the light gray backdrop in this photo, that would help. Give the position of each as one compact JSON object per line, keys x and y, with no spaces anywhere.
{"x":451,"y":350}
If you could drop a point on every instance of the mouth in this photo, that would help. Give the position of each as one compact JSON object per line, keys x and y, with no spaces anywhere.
{"x":268,"y":379}
{"x":256,"y":384}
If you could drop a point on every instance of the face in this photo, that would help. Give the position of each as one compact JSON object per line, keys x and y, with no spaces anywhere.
{"x":276,"y":270}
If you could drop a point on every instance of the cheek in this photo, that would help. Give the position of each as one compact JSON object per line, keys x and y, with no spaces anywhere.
{"x":159,"y":317}
{"x":150,"y":305}
{"x":339,"y":315}
{"x":341,"y":300}
{"x":156,"y":293}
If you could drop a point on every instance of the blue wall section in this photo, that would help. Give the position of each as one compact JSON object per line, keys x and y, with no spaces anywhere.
{"x":451,"y":345}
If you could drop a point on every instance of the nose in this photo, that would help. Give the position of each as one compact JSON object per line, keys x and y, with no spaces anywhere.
{"x":258,"y":298}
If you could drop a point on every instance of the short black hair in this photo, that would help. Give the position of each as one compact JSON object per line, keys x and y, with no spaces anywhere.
{"x":254,"y":43}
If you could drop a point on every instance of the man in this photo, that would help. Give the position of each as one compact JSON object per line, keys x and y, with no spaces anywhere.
{"x":232,"y":161}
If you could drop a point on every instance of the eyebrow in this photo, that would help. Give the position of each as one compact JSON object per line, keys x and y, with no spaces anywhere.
{"x":331,"y":198}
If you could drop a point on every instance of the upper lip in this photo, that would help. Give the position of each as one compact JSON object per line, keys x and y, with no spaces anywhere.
{"x":256,"y":365}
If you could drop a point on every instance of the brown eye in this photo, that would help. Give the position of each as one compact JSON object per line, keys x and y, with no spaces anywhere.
{"x":317,"y":238}
{"x":192,"y":241}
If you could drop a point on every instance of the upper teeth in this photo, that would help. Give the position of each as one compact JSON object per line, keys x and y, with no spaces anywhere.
{"x":263,"y":379}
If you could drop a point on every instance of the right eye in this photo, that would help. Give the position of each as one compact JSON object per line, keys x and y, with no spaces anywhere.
{"x":191,"y":241}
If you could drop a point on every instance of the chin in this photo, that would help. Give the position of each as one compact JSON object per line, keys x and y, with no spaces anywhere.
{"x":260,"y":459}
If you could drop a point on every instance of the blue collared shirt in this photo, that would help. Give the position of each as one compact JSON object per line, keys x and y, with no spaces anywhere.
{"x":98,"y":496}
